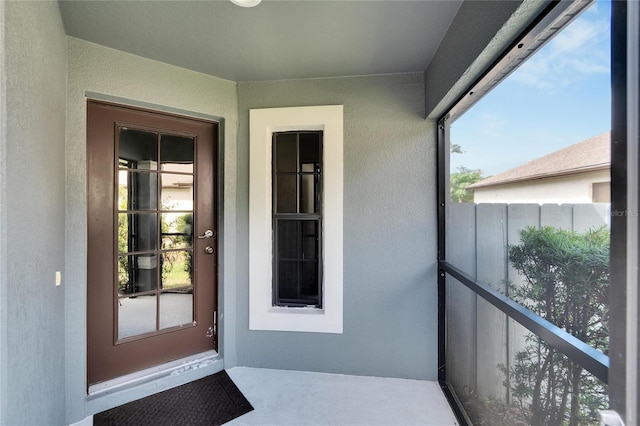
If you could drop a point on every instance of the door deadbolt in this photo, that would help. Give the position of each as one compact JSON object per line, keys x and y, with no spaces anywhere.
{"x":208,"y":250}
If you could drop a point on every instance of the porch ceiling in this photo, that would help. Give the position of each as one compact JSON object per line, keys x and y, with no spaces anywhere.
{"x":273,"y":41}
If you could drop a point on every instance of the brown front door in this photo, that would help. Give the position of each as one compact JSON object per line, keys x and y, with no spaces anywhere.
{"x":152,"y":247}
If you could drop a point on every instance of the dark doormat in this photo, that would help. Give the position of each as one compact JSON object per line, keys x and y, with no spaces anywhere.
{"x":212,"y":400}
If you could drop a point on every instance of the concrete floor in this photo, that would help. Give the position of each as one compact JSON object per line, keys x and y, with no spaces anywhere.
{"x":303,"y":398}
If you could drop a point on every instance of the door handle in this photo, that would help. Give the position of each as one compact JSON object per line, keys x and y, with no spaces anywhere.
{"x":207,"y":234}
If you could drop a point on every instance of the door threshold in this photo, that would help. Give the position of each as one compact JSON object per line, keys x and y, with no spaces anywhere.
{"x":137,"y":378}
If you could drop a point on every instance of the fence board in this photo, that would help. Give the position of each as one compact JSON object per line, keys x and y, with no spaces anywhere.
{"x":520,"y":216}
{"x":491,"y":221}
{"x":461,"y":312}
{"x":590,"y":216}
{"x":557,"y":215}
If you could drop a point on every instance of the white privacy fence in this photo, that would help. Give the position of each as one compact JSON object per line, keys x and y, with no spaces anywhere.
{"x":479,"y":336}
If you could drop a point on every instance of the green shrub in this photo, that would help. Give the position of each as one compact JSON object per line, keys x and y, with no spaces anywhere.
{"x":566,"y":281}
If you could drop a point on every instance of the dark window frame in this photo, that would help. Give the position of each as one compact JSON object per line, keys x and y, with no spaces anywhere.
{"x":279,"y":218}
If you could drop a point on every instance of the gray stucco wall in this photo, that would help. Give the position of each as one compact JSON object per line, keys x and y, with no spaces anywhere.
{"x":32,"y":195}
{"x":390,"y":297}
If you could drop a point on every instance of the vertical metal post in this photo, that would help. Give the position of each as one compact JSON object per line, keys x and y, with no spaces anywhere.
{"x":442,"y":171}
{"x":633,"y":199}
{"x":619,"y":208}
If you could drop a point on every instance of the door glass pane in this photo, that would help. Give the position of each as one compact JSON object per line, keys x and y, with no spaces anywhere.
{"x":138,"y":149}
{"x":177,"y":192}
{"x":177,"y":230}
{"x":176,"y":153}
{"x":136,"y":315}
{"x":286,"y":194}
{"x":176,"y":309}
{"x":177,"y":269}
{"x":137,"y":273}
{"x":286,"y":152}
{"x":137,"y":191}
{"x":137,"y":232}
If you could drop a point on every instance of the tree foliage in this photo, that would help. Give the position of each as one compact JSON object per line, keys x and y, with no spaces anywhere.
{"x":459,"y":180}
{"x":566,"y":280}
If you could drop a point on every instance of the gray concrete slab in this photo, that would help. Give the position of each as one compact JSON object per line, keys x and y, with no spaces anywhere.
{"x":303,"y":398}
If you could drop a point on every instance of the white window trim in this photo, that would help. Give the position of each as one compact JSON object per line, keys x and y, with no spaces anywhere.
{"x":262,"y":314}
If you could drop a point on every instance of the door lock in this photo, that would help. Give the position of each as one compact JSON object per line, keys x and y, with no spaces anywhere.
{"x":208,"y":250}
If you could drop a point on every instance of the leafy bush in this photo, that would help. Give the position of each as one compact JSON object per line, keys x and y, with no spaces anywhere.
{"x":566,"y":281}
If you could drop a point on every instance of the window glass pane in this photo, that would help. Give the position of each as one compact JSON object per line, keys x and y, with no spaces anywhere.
{"x":286,"y":152}
{"x":177,"y":192}
{"x":310,"y":239}
{"x":137,"y":191}
{"x":296,"y":183}
{"x":176,"y":308}
{"x":309,"y":281}
{"x":288,"y":237}
{"x":137,"y":232}
{"x":286,"y":193}
{"x":137,"y":273}
{"x":287,"y":279}
{"x":310,"y":148}
{"x":176,"y":153}
{"x":308,"y":194}
{"x":136,"y":315}
{"x":138,"y":149}
{"x":177,"y":269}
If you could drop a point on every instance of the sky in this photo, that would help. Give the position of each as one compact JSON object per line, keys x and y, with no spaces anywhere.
{"x":559,"y":97}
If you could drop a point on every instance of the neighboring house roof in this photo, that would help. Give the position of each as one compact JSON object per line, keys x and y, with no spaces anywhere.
{"x":589,"y":155}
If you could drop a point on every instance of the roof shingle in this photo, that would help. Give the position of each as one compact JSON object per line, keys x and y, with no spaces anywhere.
{"x":588,"y":155}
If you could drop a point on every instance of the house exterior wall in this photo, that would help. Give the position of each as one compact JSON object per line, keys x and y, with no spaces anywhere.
{"x":97,"y":69}
{"x":562,"y":189}
{"x":390,"y":274}
{"x":32,"y":194}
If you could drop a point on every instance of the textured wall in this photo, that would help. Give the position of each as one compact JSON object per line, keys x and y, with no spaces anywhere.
{"x":390,"y":298}
{"x":95,"y":68}
{"x":32,"y":197}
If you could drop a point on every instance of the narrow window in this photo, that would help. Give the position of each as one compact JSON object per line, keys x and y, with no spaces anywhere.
{"x":297,"y":219}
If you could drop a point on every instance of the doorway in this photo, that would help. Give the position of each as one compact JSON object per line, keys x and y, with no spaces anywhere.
{"x":152,"y":283}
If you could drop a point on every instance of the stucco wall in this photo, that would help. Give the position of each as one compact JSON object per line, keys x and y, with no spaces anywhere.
{"x":32,"y":195}
{"x":563,"y":189}
{"x":390,"y":298}
{"x":94,"y":68}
